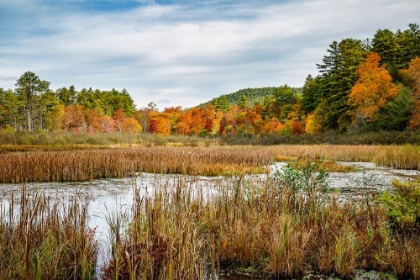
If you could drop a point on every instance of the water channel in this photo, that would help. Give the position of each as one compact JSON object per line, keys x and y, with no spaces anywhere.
{"x":111,"y":196}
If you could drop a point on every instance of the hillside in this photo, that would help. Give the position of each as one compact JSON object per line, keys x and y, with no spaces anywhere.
{"x":254,"y":95}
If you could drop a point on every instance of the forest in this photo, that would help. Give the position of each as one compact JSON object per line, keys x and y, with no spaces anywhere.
{"x":362,"y":85}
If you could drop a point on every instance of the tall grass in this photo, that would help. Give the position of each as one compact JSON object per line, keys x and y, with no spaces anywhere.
{"x":400,"y":157}
{"x":85,"y":165}
{"x":179,"y":232}
{"x":42,"y":239}
{"x":88,"y":164}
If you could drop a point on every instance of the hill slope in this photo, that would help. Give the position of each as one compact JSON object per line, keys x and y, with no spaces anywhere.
{"x":254,"y":95}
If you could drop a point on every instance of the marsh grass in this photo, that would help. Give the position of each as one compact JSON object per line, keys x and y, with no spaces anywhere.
{"x":181,"y":232}
{"x":399,"y":157}
{"x":58,"y":166}
{"x":326,"y":165}
{"x":42,"y":239}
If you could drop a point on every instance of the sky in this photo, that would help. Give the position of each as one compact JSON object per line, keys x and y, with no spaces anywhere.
{"x":183,"y":52}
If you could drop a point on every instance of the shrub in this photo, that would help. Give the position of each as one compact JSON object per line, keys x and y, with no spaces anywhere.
{"x":404,"y":204}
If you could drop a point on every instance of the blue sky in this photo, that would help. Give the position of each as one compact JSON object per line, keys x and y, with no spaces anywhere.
{"x":182,"y":52}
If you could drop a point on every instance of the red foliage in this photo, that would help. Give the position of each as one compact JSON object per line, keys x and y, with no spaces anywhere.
{"x":297,"y":128}
{"x":153,"y":126}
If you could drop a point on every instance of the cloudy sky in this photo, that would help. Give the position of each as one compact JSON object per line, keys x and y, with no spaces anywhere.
{"x":182,"y":52}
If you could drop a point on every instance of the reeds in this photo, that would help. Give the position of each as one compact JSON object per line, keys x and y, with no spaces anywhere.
{"x":179,"y":232}
{"x":400,"y":157}
{"x":45,"y":239}
{"x":88,"y":164}
{"x":57,"y":166}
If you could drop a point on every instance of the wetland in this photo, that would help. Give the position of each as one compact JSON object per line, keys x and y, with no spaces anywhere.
{"x":179,"y":226}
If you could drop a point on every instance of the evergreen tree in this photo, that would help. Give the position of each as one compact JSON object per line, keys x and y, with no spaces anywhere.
{"x":338,"y":70}
{"x":397,"y":113}
{"x":29,"y":88}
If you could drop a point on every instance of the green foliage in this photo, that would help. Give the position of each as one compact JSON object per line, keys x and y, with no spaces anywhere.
{"x":222,"y":103}
{"x":338,"y":71}
{"x":404,"y":204}
{"x":308,"y":177}
{"x":312,"y":93}
{"x":29,"y":88}
{"x":243,"y":102}
{"x":254,"y":96}
{"x":284,"y":95}
{"x":67,"y":96}
{"x":396,"y":114}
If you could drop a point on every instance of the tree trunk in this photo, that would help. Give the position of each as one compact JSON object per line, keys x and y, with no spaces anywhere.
{"x":29,"y":121}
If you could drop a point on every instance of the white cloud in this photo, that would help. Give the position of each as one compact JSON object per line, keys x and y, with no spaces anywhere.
{"x":189,"y":53}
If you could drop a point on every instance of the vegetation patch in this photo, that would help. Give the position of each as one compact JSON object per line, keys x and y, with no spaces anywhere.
{"x":75,"y":165}
{"x":325,"y":165}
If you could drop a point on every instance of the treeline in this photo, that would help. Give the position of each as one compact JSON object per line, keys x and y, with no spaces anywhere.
{"x":279,"y":113}
{"x":369,"y":85}
{"x":247,"y":96}
{"x":363,"y":85}
{"x":34,"y":106}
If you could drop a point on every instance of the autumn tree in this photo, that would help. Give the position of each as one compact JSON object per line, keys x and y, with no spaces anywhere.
{"x":297,"y":128}
{"x":106,"y":124}
{"x":74,"y":118}
{"x":374,"y":88}
{"x":131,"y":126}
{"x":119,"y":118}
{"x":53,"y":117}
{"x":143,"y":117}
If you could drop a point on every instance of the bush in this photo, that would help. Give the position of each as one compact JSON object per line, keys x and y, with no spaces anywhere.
{"x":404,"y":205}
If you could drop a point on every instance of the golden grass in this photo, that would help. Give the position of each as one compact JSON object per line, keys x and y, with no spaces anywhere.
{"x":79,"y":163}
{"x":400,"y":157}
{"x":45,"y":239}
{"x":46,"y":166}
{"x":264,"y":228}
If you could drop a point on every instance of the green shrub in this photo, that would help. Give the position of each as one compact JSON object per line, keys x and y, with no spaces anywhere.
{"x":404,"y":204}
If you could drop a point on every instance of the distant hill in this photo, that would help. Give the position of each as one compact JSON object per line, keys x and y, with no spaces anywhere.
{"x":254,"y":95}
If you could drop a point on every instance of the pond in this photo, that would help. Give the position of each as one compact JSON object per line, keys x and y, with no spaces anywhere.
{"x":111,"y":196}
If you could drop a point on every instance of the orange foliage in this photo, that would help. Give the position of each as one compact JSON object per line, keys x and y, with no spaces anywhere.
{"x":272,"y":126}
{"x":131,"y":126}
{"x":74,"y":117}
{"x":163,"y":125}
{"x":297,"y":128}
{"x":119,"y":118}
{"x":92,"y":121}
{"x":373,"y":89}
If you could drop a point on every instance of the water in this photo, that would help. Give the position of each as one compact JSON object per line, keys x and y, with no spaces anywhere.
{"x":111,"y":196}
